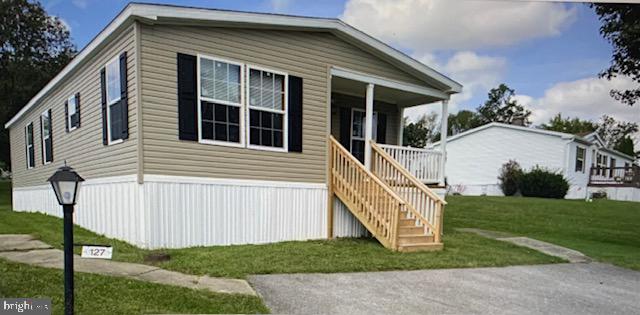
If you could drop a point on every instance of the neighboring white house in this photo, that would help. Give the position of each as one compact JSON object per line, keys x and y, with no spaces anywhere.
{"x":474,"y":159}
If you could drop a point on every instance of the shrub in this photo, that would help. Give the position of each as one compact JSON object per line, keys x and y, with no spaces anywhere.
{"x":509,"y":177}
{"x":542,"y":183}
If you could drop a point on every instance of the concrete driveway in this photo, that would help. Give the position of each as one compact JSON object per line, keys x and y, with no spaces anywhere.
{"x":592,"y":288}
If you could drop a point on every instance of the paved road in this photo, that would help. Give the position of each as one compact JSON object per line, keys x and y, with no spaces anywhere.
{"x":591,"y":288}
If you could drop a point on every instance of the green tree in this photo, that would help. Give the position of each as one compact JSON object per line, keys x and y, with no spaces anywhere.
{"x":569,"y":125}
{"x":501,"y":106}
{"x":615,"y":133}
{"x":621,"y":27}
{"x":35,"y":47}
{"x":462,"y":121}
{"x":422,"y":132}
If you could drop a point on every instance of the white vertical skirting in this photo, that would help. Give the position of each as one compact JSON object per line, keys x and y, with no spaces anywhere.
{"x":106,"y":206}
{"x":174,"y":212}
{"x":344,"y":223}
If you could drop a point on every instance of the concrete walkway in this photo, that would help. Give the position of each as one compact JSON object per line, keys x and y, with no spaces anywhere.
{"x":570,"y":255}
{"x":590,"y":288}
{"x":25,"y":249}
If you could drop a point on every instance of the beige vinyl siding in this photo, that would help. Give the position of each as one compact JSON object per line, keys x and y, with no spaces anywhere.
{"x":82,"y":148}
{"x":340,"y":100}
{"x":304,"y":54}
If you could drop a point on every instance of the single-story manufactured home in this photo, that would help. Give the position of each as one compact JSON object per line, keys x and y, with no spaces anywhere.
{"x":197,"y":127}
{"x":476,"y":156}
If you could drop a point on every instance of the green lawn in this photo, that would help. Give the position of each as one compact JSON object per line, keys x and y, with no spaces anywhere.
{"x":606,"y":230}
{"x":95,"y":294}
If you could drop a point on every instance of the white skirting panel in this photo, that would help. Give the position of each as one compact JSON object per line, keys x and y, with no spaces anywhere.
{"x":174,"y":212}
{"x":344,"y":223}
{"x":186,"y":212}
{"x":107,"y":206}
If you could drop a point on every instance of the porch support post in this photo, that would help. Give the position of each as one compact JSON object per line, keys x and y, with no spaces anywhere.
{"x":443,"y":138}
{"x":400,"y":126}
{"x":368,"y":133}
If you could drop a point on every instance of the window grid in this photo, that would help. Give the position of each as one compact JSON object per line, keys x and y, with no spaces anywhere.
{"x":47,"y":150}
{"x":220,"y":101}
{"x":31,"y":155}
{"x":580,"y":153}
{"x":72,"y":112}
{"x":267,"y":112}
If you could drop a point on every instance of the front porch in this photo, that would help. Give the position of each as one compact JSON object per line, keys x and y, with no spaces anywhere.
{"x":365,"y":109}
{"x":383,"y":184}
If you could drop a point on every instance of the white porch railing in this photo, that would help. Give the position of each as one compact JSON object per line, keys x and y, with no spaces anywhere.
{"x":424,"y":164}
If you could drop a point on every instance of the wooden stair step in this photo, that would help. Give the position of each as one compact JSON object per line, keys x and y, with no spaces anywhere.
{"x":407,"y":222}
{"x":411,"y":229}
{"x":420,"y":247}
{"x":414,"y":239}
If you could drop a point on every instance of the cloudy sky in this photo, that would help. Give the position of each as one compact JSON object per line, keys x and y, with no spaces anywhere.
{"x":550,"y":53}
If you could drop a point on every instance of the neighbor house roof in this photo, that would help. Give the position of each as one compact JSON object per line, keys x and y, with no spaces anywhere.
{"x":590,"y":139}
{"x":155,"y":13}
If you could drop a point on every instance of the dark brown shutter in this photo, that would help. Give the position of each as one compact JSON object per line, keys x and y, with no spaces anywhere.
{"x":124,"y":101}
{"x":187,"y":98}
{"x":103,"y":90}
{"x":66,"y":116}
{"x":78,"y":109}
{"x":345,"y":127}
{"x":50,"y":140}
{"x":382,"y":128}
{"x":295,"y":114}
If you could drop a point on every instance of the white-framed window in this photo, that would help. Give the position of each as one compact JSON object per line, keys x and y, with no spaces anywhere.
{"x":220,"y":99}
{"x":267,"y":105}
{"x":612,"y":165}
{"x":115,"y":124}
{"x":358,"y":122}
{"x":580,"y":155}
{"x":47,"y":144}
{"x":30,"y":149}
{"x":601,"y":163}
{"x":73,"y":115}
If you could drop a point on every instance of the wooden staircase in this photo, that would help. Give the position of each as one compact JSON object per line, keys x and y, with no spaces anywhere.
{"x":395,"y":207}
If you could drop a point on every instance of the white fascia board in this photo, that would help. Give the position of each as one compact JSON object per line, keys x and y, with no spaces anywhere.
{"x":376,"y":80}
{"x":151,"y":12}
{"x":566,"y":136}
{"x":121,"y":20}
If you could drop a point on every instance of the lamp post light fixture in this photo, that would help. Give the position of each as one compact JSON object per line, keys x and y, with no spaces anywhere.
{"x":66,"y":184}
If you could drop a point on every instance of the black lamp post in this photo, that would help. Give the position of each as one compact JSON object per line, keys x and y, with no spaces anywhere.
{"x":66,"y":183}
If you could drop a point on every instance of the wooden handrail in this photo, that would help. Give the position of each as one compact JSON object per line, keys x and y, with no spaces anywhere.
{"x":425,"y":205}
{"x":375,"y":205}
{"x":376,"y":148}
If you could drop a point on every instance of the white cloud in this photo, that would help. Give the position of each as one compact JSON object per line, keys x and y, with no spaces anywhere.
{"x":586,"y":98}
{"x":475,"y":72}
{"x":424,"y":26}
{"x":280,"y":6}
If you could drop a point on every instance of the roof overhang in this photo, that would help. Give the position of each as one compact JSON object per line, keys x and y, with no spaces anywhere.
{"x":154,"y":13}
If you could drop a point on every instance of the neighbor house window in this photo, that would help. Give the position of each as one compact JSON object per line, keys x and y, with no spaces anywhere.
{"x":601,"y":164}
{"x":267,"y":108}
{"x":115,"y":123}
{"x":73,"y":113}
{"x":31,"y":154}
{"x":580,"y":153}
{"x":220,"y":101}
{"x":47,"y":144}
{"x":612,"y":165}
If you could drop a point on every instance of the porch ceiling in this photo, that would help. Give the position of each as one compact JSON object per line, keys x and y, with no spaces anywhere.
{"x":382,"y":93}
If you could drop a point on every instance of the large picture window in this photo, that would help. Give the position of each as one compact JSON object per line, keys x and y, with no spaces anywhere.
{"x":267,"y":100}
{"x":220,"y":101}
{"x":30,"y":149}
{"x":47,"y":144}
